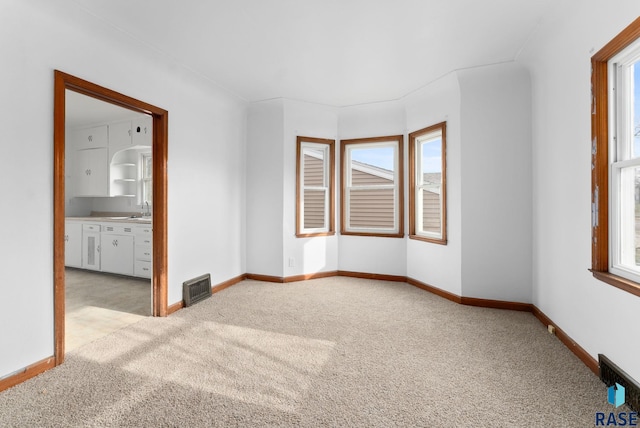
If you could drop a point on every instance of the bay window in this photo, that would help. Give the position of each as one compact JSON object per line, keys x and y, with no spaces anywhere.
{"x":315,"y":183}
{"x":372,"y":191}
{"x":427,"y":184}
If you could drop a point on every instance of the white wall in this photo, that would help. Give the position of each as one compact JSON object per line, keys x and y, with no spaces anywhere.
{"x":231,"y":194}
{"x":496,"y":182}
{"x":440,"y":265}
{"x":372,"y":254}
{"x":205,"y":169}
{"x":271,"y":191}
{"x":317,"y":254}
{"x":488,"y":253}
{"x":265,"y":166}
{"x":115,"y":205}
{"x":272,"y":131}
{"x":601,"y":318}
{"x":207,"y":137}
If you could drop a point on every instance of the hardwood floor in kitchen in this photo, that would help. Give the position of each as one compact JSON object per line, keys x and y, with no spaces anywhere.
{"x":98,"y":304}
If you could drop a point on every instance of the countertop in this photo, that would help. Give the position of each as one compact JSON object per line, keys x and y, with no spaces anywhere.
{"x":136,"y":220}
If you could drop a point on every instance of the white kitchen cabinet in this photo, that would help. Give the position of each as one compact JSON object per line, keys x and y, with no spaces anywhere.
{"x":73,"y":244}
{"x":143,"y":267}
{"x":122,"y":248}
{"x":91,"y":246}
{"x":142,"y":131}
{"x":120,"y":135}
{"x":91,"y":138}
{"x":136,"y":132}
{"x":91,"y":173}
{"x":143,"y":251}
{"x":106,"y":158}
{"x":116,"y":253}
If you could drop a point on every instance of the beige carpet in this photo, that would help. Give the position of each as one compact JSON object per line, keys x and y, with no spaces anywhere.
{"x":330,"y":352}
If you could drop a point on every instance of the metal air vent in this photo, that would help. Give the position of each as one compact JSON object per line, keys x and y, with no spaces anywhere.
{"x":196,"y":289}
{"x":611,"y":374}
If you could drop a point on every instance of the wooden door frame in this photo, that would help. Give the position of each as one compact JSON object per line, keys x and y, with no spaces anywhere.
{"x":62,"y":82}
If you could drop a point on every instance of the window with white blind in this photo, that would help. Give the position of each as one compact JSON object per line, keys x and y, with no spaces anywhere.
{"x":372,"y":191}
{"x":427,"y":184}
{"x":315,"y":183}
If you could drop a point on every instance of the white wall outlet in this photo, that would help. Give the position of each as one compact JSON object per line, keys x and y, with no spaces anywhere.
{"x":292,"y":262}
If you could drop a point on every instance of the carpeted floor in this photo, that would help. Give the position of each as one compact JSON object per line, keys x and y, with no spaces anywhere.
{"x":328,"y":352}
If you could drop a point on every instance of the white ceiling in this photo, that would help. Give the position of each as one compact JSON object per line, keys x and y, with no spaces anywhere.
{"x":336,"y":52}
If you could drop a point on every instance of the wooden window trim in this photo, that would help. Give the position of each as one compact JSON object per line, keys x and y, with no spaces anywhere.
{"x":600,"y":159}
{"x":442,"y":126}
{"x":344,"y":143}
{"x":332,"y":186}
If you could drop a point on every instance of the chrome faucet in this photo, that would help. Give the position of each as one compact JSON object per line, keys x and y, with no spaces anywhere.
{"x":148,"y":213}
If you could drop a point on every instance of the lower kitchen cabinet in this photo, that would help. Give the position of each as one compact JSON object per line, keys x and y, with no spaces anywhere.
{"x":143,"y":251}
{"x":73,"y":244}
{"x":116,"y":253}
{"x":91,"y":246}
{"x":119,"y":248}
{"x":143,"y":268}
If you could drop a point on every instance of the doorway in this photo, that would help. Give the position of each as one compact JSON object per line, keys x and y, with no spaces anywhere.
{"x":158,"y":264}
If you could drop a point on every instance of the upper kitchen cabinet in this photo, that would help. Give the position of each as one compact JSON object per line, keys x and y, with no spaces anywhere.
{"x":131,"y":133}
{"x":91,"y":172}
{"x":120,"y":135}
{"x":91,"y":138}
{"x":142,"y":130}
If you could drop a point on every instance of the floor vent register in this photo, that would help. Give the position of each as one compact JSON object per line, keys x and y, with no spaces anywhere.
{"x":196,"y":290}
{"x":611,"y":374}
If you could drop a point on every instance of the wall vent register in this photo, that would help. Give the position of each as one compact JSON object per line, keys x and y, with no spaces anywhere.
{"x":196,"y":290}
{"x":611,"y":374}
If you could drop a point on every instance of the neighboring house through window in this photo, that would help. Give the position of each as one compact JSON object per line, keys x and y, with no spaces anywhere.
{"x":372,"y":191}
{"x":315,"y":184}
{"x":616,"y":161}
{"x":427,"y":184}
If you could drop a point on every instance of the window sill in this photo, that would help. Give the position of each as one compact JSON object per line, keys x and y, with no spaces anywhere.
{"x":380,"y":235}
{"x":618,"y":282}
{"x":309,"y":235}
{"x":431,"y":240}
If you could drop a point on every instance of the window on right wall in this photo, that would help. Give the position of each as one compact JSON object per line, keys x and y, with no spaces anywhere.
{"x":615,"y":168}
{"x":428,"y":184}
